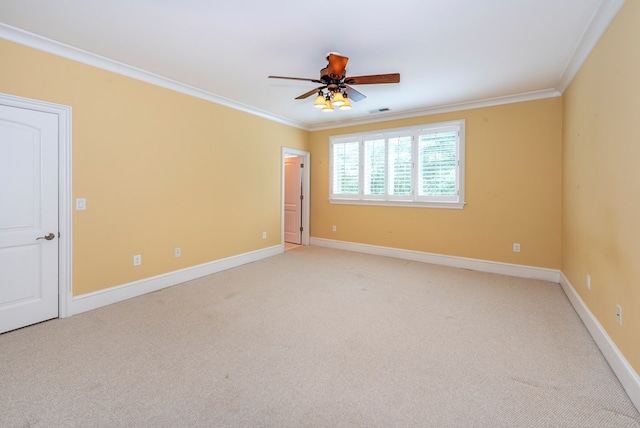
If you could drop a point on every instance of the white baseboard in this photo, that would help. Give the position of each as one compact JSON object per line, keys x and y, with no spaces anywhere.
{"x":520,"y":271}
{"x":98,"y":299}
{"x":625,"y":373}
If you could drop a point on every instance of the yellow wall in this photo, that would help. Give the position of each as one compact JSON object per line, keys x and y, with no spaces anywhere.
{"x":159,"y":170}
{"x":601,"y":181}
{"x":513,"y":191}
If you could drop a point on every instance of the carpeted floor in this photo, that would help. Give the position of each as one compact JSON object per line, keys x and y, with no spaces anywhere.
{"x":317,"y":337}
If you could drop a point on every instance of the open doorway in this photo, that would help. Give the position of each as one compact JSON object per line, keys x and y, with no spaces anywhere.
{"x":295,"y":197}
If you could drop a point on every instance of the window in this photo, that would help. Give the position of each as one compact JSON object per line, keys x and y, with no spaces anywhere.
{"x":419,"y":166}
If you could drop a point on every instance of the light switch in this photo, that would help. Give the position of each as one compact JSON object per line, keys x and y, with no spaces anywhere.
{"x":81,"y":204}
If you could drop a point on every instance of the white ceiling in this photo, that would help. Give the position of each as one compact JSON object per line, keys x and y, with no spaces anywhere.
{"x":449,"y":53}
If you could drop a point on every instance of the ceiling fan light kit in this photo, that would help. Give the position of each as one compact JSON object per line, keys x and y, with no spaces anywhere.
{"x":336,"y":90}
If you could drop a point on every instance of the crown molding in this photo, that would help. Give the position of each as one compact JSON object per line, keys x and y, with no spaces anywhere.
{"x":599,"y":23}
{"x":488,"y":102}
{"x":66,"y":51}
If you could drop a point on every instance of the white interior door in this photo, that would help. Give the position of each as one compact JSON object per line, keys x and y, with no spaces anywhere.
{"x":28,"y":217}
{"x":292,"y":200}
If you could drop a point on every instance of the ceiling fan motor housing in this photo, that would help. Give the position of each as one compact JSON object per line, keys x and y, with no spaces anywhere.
{"x":331,"y":78}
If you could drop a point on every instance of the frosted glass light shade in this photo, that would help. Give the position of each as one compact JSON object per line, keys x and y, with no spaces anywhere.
{"x":346,"y":105}
{"x":320,"y":101}
{"x":338,"y":99}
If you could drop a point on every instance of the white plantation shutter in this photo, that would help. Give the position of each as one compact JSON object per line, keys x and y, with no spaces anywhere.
{"x":374,"y":168}
{"x":400,"y":166}
{"x":438,"y":164}
{"x":346,"y":168}
{"x":419,"y":166}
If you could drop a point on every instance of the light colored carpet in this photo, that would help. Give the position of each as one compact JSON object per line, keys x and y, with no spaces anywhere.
{"x":290,"y":246}
{"x":317,"y":337}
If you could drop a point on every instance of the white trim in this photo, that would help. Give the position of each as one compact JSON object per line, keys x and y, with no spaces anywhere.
{"x":98,"y":299}
{"x":626,"y":375}
{"x":66,"y":51}
{"x":600,"y":21}
{"x":398,"y":203}
{"x":489,"y":102}
{"x":306,"y":180}
{"x":521,"y":271}
{"x":64,"y":191}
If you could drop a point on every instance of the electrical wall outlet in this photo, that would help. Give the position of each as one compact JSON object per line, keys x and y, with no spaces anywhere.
{"x":334,"y":228}
{"x":588,"y":282}
{"x":177,"y":252}
{"x":264,"y":235}
{"x":619,"y":314}
{"x":81,"y":204}
{"x":516,"y":247}
{"x":137,"y":260}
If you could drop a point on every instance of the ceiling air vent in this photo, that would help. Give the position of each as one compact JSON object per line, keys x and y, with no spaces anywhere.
{"x":380,"y":110}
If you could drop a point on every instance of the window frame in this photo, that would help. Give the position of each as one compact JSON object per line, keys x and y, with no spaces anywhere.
{"x":415,"y":199}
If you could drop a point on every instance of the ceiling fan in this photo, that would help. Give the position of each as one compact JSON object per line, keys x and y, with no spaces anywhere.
{"x":335,"y":89}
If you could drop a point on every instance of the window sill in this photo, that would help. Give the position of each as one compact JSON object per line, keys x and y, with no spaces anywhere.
{"x":410,"y":204}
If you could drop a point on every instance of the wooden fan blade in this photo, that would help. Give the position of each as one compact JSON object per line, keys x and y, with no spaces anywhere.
{"x":308,"y":94}
{"x":353,"y":94}
{"x":296,"y":78}
{"x":373,"y":79}
{"x":337,"y":65}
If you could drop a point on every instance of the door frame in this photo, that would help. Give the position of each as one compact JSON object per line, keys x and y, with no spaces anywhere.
{"x":64,"y":192}
{"x":306,"y":179}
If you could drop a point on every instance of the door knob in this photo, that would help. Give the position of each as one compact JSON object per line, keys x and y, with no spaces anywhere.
{"x":48,"y":237}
